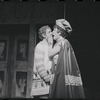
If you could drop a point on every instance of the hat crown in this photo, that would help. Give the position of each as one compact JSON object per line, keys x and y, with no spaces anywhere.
{"x":64,"y":24}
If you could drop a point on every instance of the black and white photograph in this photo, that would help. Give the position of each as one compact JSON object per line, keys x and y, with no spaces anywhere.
{"x":21,"y":83}
{"x":2,"y":83}
{"x":3,"y":50}
{"x":50,"y":49}
{"x":22,"y":50}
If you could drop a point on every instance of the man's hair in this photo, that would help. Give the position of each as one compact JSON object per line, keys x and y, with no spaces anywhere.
{"x":63,"y":32}
{"x":42,"y":31}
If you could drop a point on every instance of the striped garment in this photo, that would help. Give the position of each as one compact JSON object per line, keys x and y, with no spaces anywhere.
{"x":42,"y":66}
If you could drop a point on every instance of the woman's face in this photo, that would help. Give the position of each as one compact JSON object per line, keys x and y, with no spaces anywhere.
{"x":55,"y":33}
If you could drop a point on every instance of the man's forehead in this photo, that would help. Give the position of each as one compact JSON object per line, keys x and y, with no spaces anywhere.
{"x":48,"y":29}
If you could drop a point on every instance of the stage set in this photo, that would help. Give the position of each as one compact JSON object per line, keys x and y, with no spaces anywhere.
{"x":19,"y":25}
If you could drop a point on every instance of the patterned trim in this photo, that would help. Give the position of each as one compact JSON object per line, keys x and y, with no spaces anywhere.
{"x":73,"y":80}
{"x":39,"y":87}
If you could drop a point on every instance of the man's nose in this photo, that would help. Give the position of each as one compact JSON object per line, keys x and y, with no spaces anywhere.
{"x":52,"y":33}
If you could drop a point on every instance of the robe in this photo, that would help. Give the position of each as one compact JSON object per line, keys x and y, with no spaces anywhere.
{"x":67,"y":81}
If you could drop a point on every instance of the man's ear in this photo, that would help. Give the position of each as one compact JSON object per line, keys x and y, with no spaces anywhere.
{"x":44,"y":35}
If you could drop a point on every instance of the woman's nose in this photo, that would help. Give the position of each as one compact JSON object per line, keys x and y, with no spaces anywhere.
{"x":51,"y":33}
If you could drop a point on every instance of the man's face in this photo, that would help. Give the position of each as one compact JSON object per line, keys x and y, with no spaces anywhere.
{"x":55,"y":34}
{"x":48,"y":33}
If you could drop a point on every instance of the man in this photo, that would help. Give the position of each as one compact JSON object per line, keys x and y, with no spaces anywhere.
{"x":67,"y":81}
{"x":42,"y":64}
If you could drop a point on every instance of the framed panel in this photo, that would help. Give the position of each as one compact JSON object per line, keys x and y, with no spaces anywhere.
{"x":22,"y":50}
{"x":4,"y":44}
{"x":2,"y":83}
{"x":20,"y":84}
{"x":3,"y":50}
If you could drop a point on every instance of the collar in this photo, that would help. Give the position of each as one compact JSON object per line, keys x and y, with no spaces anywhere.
{"x":60,"y":39}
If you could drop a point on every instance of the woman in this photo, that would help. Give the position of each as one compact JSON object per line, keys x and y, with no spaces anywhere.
{"x":67,"y":81}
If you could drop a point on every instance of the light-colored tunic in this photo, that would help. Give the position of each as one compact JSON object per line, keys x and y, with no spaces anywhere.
{"x":42,"y":66}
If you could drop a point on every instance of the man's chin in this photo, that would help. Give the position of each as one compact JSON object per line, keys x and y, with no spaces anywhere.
{"x":54,"y":38}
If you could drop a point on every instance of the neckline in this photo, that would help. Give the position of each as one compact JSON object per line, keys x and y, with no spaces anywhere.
{"x":60,"y":39}
{"x":44,"y":41}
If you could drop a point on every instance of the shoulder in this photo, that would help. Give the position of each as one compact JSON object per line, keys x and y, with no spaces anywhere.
{"x":67,"y":43}
{"x":63,"y":42}
{"x":39,"y":47}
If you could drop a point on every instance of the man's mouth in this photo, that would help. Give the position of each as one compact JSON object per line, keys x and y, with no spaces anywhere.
{"x":52,"y":35}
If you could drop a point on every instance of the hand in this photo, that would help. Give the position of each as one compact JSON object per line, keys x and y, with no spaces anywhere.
{"x":52,"y":78}
{"x":50,"y":40}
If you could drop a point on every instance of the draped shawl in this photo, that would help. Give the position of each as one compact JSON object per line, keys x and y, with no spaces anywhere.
{"x":67,"y":81}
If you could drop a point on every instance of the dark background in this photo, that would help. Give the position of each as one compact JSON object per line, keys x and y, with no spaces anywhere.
{"x":85,"y":39}
{"x":84,"y":18}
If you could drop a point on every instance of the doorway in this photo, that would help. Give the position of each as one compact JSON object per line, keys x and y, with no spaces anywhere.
{"x":14,"y":45}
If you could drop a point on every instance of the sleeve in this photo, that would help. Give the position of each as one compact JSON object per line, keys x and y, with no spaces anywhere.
{"x":55,"y":50}
{"x":39,"y":63}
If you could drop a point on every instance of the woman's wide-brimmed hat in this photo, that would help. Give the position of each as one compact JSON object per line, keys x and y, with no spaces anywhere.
{"x":64,"y":24}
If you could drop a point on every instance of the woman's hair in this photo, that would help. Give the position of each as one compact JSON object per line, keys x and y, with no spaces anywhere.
{"x":42,"y":31}
{"x":63,"y":32}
